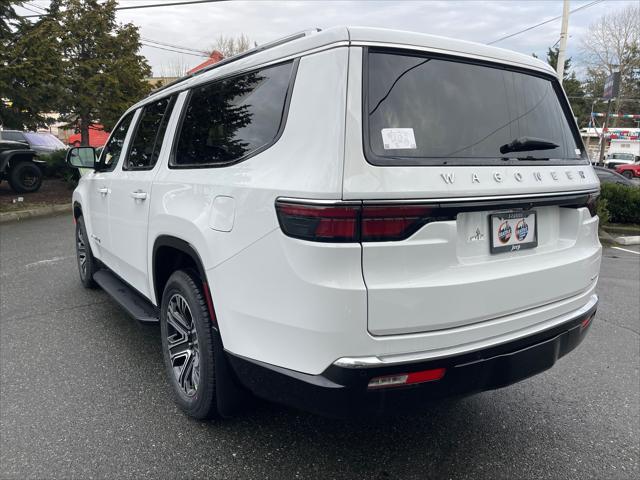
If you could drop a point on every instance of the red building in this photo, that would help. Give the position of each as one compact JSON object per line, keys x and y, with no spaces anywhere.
{"x":215,"y":57}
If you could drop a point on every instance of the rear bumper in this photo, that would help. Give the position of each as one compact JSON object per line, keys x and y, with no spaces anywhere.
{"x":341,"y":391}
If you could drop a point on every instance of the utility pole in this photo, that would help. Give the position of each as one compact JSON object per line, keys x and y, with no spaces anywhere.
{"x":563,"y":40}
{"x":605,"y":126}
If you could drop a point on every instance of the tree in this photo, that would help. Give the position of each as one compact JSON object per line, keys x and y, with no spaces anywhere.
{"x":103,"y":71}
{"x":572,"y":86}
{"x":230,"y":46}
{"x":613,"y":43}
{"x":30,"y":67}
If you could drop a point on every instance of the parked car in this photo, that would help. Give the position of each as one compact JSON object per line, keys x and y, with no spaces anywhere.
{"x":41,"y":142}
{"x":97,"y":137}
{"x":607,"y":175}
{"x":629,"y":171}
{"x":19,"y":166}
{"x":614,"y":160}
{"x":341,"y":222}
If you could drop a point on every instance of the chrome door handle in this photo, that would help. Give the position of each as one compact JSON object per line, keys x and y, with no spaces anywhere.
{"x":103,"y":190}
{"x":139,"y":195}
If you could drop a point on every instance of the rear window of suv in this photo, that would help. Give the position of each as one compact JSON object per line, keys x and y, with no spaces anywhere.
{"x":425,"y":109}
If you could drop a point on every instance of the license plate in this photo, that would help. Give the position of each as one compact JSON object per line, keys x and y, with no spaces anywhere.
{"x":514,"y":230}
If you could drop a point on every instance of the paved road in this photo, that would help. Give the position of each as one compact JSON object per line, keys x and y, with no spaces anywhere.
{"x":83,"y":395}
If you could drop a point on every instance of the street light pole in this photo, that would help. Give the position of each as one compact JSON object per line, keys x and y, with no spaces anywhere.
{"x":563,"y":40}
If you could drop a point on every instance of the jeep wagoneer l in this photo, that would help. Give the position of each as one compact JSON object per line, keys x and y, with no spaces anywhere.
{"x":348,"y":221}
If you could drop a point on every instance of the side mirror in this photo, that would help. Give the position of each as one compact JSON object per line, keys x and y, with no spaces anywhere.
{"x":81,"y":157}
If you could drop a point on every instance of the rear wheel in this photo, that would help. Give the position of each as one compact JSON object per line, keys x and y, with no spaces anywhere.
{"x":187,"y":344}
{"x":87,"y":264}
{"x":25,"y":177}
{"x":628,"y":174}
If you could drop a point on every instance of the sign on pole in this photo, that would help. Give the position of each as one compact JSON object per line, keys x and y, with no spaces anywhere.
{"x":611,"y":86}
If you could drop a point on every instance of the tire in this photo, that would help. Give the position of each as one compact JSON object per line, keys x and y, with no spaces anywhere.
{"x":25,"y":177}
{"x":628,"y":174}
{"x":188,"y":346}
{"x":87,"y":263}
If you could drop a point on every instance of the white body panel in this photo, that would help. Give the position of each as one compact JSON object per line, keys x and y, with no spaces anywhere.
{"x":301,"y":305}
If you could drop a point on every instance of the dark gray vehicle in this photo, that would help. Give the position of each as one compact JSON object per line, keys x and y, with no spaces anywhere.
{"x":42,"y":143}
{"x":19,"y":166}
{"x":607,"y":175}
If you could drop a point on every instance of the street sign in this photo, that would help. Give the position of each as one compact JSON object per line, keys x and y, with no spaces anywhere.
{"x":611,"y":86}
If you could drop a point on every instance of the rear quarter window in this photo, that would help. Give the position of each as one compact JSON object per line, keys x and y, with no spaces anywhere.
{"x":423,"y":109}
{"x":229,"y":120}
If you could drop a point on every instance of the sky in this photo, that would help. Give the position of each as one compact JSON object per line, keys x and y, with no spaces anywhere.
{"x":198,"y":25}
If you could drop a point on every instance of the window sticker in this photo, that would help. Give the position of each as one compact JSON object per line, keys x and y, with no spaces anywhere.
{"x":398,"y":138}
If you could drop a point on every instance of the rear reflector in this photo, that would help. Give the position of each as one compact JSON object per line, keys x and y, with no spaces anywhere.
{"x":412,"y":378}
{"x":585,"y":323}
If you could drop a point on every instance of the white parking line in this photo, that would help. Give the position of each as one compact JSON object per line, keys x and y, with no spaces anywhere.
{"x":625,"y":250}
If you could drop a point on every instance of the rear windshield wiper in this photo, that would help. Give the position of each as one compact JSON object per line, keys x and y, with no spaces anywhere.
{"x":525,"y":144}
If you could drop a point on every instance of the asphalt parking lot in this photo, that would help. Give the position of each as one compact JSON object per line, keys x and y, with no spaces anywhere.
{"x":83,"y":395}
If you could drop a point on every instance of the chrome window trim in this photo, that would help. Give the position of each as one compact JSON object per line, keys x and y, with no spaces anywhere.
{"x":315,"y":201}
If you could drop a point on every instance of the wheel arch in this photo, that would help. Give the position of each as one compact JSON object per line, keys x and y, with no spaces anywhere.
{"x":170,"y":254}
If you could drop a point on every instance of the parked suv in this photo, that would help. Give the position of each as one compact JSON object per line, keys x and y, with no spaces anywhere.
{"x":348,"y":221}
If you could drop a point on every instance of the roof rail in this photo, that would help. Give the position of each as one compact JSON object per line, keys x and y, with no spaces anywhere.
{"x":247,"y":53}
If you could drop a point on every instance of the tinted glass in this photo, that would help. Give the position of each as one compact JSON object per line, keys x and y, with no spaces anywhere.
{"x":43,"y":139}
{"x":227,"y":120}
{"x":113,"y":148}
{"x":147,"y":140}
{"x":433,"y":108}
{"x":13,"y":136}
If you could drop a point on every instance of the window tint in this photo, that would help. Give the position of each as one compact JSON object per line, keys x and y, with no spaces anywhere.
{"x":428,"y":110}
{"x":227,"y":120}
{"x":147,"y":139}
{"x":113,"y":148}
{"x":13,"y":136}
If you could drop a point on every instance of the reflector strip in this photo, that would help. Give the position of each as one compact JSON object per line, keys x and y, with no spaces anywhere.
{"x":412,"y":378}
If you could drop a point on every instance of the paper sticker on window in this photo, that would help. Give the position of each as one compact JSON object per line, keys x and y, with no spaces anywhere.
{"x":398,"y":138}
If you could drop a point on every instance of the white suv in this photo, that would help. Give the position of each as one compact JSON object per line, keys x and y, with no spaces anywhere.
{"x":348,"y":221}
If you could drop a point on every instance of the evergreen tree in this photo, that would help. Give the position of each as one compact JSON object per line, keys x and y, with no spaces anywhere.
{"x":103,"y":71}
{"x":30,"y":67}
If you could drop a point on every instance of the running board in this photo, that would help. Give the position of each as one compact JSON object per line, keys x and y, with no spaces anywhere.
{"x":131,"y":301}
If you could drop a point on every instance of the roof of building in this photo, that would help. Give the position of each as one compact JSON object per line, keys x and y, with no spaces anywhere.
{"x":215,"y":57}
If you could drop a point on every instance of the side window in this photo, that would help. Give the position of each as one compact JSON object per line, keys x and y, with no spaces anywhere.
{"x":13,"y":136}
{"x":113,"y":148}
{"x":230,"y":119}
{"x":147,"y":139}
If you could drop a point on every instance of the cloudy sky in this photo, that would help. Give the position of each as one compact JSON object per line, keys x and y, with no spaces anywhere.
{"x":197,"y":26}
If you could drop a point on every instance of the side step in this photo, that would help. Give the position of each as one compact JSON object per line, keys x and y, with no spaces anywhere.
{"x":131,"y":301}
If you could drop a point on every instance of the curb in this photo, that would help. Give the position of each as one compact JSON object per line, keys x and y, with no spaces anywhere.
{"x":629,"y":240}
{"x":48,"y":211}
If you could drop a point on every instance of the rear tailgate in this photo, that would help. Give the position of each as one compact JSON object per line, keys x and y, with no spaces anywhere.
{"x":421,"y":146}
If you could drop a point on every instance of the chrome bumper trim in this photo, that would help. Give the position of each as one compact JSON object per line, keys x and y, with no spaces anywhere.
{"x":404,"y":358}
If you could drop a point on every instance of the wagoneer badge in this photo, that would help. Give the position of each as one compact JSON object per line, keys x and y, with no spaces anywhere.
{"x":498,"y":177}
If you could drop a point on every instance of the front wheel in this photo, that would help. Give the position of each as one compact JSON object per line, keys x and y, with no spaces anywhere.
{"x":187,"y":345}
{"x":628,"y":174}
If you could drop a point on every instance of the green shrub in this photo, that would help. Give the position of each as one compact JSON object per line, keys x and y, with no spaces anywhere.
{"x":57,"y":168}
{"x":603,"y":211}
{"x":622,"y":203}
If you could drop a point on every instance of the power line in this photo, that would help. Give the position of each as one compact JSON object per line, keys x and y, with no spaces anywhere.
{"x":42,"y":9}
{"x":544,"y":23}
{"x":171,"y":45}
{"x":149,"y":5}
{"x":201,"y":55}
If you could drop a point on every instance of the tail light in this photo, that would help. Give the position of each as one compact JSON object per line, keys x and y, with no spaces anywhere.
{"x":353,"y":222}
{"x":592,"y":204}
